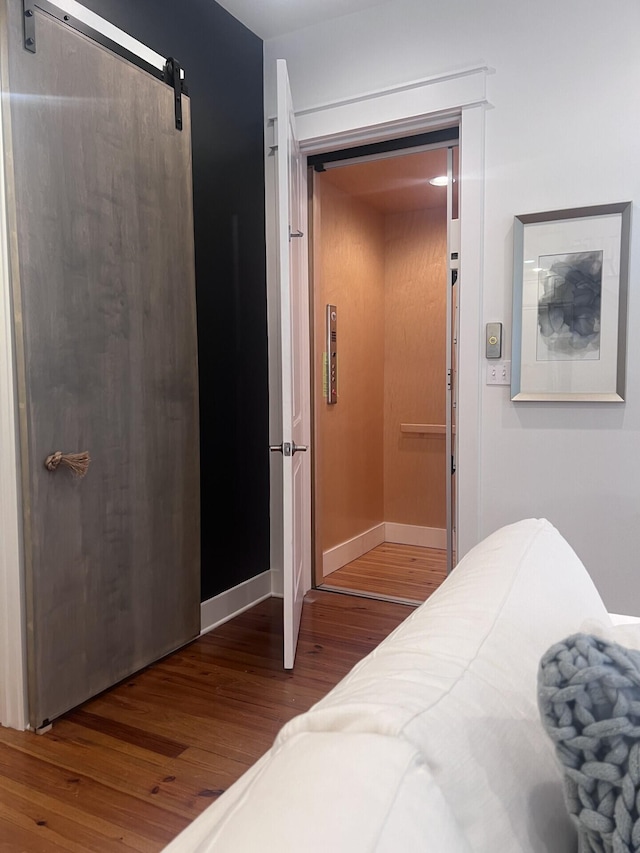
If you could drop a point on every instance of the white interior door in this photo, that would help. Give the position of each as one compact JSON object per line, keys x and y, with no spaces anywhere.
{"x":294,"y":332}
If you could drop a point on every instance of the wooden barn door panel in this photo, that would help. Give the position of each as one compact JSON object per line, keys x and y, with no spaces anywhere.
{"x":103,"y":279}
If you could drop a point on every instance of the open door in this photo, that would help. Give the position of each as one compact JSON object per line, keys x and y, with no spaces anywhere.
{"x":294,"y":333}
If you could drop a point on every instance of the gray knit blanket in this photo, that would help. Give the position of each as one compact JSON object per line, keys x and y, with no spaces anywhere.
{"x":589,"y":700}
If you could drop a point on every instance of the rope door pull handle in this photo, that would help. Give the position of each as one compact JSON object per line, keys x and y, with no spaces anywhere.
{"x":77,"y":462}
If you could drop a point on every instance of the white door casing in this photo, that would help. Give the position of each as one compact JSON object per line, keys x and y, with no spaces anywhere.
{"x":454,"y":261}
{"x":412,"y":108}
{"x":449,"y":455}
{"x":294,"y":344}
{"x":13,"y":694}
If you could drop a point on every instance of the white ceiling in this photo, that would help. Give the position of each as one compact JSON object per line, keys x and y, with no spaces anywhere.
{"x":270,"y":18}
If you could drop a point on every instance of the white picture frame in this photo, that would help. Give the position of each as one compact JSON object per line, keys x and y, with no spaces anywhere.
{"x":570,"y":286}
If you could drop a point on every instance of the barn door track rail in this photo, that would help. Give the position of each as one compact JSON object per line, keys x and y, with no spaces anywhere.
{"x":172,"y":73}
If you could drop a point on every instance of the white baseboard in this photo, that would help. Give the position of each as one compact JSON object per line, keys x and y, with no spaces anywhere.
{"x":412,"y":534}
{"x":344,"y":553}
{"x":403,"y":534}
{"x":219,"y":609}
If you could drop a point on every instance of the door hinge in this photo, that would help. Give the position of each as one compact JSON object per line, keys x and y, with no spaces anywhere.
{"x":454,"y":277}
{"x":453,"y":466}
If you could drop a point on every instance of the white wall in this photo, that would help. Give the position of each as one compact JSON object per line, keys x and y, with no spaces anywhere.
{"x":563,"y":132}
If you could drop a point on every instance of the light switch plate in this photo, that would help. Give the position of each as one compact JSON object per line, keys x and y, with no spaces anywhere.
{"x":499,"y":373}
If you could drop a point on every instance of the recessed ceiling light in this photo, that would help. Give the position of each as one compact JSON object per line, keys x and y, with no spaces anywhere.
{"x":439,"y":181}
{"x":530,"y":262}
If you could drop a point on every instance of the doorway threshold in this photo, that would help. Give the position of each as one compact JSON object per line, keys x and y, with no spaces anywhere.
{"x":376,"y":596}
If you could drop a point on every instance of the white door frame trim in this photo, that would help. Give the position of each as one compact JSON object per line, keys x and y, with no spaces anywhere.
{"x":416,"y":107}
{"x":13,"y":692}
{"x":411,"y":108}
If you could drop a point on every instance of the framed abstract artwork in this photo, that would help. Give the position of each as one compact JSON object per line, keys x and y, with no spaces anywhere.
{"x":570,"y":285}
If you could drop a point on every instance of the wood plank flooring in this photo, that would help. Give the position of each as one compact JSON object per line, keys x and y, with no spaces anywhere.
{"x":402,"y":572}
{"x":132,"y":767}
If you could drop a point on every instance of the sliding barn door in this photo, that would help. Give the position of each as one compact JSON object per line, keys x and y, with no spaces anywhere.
{"x":103,"y":281}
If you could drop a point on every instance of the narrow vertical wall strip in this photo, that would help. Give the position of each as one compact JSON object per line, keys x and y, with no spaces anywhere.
{"x":13,"y":711}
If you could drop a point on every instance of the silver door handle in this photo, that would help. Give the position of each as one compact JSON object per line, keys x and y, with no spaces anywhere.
{"x":288,"y":448}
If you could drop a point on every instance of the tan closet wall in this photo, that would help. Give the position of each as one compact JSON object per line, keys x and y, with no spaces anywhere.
{"x":348,"y":264}
{"x":414,"y":367}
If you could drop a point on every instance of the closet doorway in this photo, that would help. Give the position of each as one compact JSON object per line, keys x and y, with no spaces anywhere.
{"x":384,"y":305}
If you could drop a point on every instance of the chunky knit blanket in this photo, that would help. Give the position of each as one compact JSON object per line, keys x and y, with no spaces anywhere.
{"x":589,"y":700}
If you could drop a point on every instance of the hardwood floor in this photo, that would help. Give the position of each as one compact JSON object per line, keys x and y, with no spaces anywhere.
{"x":132,"y":767}
{"x":402,"y":572}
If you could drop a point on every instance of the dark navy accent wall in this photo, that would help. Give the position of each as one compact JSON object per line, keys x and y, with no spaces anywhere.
{"x":224,"y":73}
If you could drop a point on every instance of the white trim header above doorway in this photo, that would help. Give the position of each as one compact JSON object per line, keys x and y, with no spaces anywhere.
{"x":394,"y":112}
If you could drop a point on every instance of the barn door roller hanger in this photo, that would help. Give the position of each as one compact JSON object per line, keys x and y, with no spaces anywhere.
{"x":172,"y":74}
